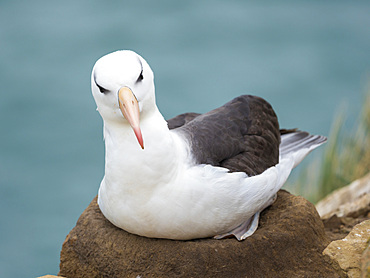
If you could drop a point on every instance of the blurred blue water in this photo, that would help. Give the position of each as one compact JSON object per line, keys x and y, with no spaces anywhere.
{"x":305,"y":57}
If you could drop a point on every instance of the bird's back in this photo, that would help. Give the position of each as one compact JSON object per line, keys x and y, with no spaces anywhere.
{"x":242,"y":135}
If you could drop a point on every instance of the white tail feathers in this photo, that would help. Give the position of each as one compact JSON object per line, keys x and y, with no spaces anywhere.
{"x":298,"y":144}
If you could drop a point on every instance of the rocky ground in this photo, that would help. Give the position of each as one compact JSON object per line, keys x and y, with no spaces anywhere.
{"x":345,"y":208}
{"x":292,"y":241}
{"x":345,"y":214}
{"x":337,"y":228}
{"x":288,"y":243}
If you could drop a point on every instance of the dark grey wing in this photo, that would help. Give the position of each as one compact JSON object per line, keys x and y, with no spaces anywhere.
{"x":181,"y":119}
{"x":242,"y":135}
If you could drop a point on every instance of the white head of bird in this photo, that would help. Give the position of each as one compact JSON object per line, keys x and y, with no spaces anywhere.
{"x":122,"y":84}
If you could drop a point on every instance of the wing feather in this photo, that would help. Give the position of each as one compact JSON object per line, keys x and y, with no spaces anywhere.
{"x":242,"y":135}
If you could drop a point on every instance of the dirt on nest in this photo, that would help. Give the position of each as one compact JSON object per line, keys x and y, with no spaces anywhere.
{"x":288,"y":243}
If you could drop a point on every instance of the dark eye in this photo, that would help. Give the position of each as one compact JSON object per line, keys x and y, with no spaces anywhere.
{"x":141,"y":77}
{"x":101,"y":89}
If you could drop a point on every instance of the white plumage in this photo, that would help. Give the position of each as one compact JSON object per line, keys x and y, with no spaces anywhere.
{"x":160,"y":191}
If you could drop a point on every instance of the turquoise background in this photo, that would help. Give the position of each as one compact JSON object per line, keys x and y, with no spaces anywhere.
{"x":306,"y":58}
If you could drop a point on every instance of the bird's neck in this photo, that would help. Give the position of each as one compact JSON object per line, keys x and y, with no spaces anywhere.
{"x":129,"y":165}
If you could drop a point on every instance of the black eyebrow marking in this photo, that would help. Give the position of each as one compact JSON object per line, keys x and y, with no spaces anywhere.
{"x":101,"y":89}
{"x":141,"y":77}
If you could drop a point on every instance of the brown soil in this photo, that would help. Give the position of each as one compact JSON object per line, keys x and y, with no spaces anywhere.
{"x":337,"y":228}
{"x":288,"y":243}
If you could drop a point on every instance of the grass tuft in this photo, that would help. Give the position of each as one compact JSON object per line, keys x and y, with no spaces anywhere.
{"x":345,"y":159}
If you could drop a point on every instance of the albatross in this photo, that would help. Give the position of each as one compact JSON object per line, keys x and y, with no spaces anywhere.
{"x":194,"y":176}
